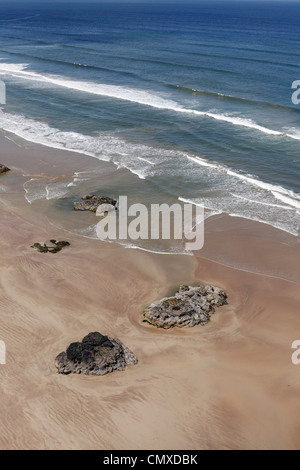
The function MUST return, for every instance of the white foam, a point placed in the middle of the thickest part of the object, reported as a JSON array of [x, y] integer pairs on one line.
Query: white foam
[[145, 160], [265, 203], [136, 172], [190, 201], [253, 181], [34, 190], [214, 196], [56, 190], [136, 247], [286, 199], [238, 121], [199, 204], [201, 161], [112, 91], [272, 215], [293, 133], [79, 177], [262, 184], [129, 94]]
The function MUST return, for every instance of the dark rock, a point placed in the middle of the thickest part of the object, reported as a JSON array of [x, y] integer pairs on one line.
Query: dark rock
[[74, 352], [40, 247], [92, 202], [96, 339], [3, 168], [58, 245], [190, 306], [87, 356], [96, 355]]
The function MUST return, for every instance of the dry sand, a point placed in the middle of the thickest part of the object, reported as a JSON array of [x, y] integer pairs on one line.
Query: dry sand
[[228, 385]]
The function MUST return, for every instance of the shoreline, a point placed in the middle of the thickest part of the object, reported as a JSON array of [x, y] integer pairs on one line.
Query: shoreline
[[32, 159], [81, 161], [230, 384]]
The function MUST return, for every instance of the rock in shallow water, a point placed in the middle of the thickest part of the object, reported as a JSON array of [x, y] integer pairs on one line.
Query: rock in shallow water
[[189, 307], [57, 246], [91, 202], [95, 355], [3, 168]]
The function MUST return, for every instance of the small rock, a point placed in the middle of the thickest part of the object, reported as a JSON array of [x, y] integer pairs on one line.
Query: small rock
[[92, 202], [95, 355], [3, 168], [189, 307], [58, 246]]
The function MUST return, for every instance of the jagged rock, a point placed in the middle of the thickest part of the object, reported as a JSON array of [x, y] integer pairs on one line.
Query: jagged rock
[[3, 168], [92, 202], [190, 306], [58, 245], [95, 355]]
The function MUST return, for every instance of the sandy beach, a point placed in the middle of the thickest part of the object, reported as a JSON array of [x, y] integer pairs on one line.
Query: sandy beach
[[228, 385]]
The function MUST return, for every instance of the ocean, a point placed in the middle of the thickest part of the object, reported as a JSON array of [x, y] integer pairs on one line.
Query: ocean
[[194, 100]]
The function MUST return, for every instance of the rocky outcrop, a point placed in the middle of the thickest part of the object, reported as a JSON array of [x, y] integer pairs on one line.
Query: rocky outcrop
[[190, 306], [95, 355], [91, 202], [57, 246], [3, 168]]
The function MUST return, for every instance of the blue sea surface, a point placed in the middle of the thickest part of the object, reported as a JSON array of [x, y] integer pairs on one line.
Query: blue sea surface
[[193, 99]]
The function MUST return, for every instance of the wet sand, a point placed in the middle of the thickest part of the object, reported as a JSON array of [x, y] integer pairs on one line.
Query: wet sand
[[228, 385]]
